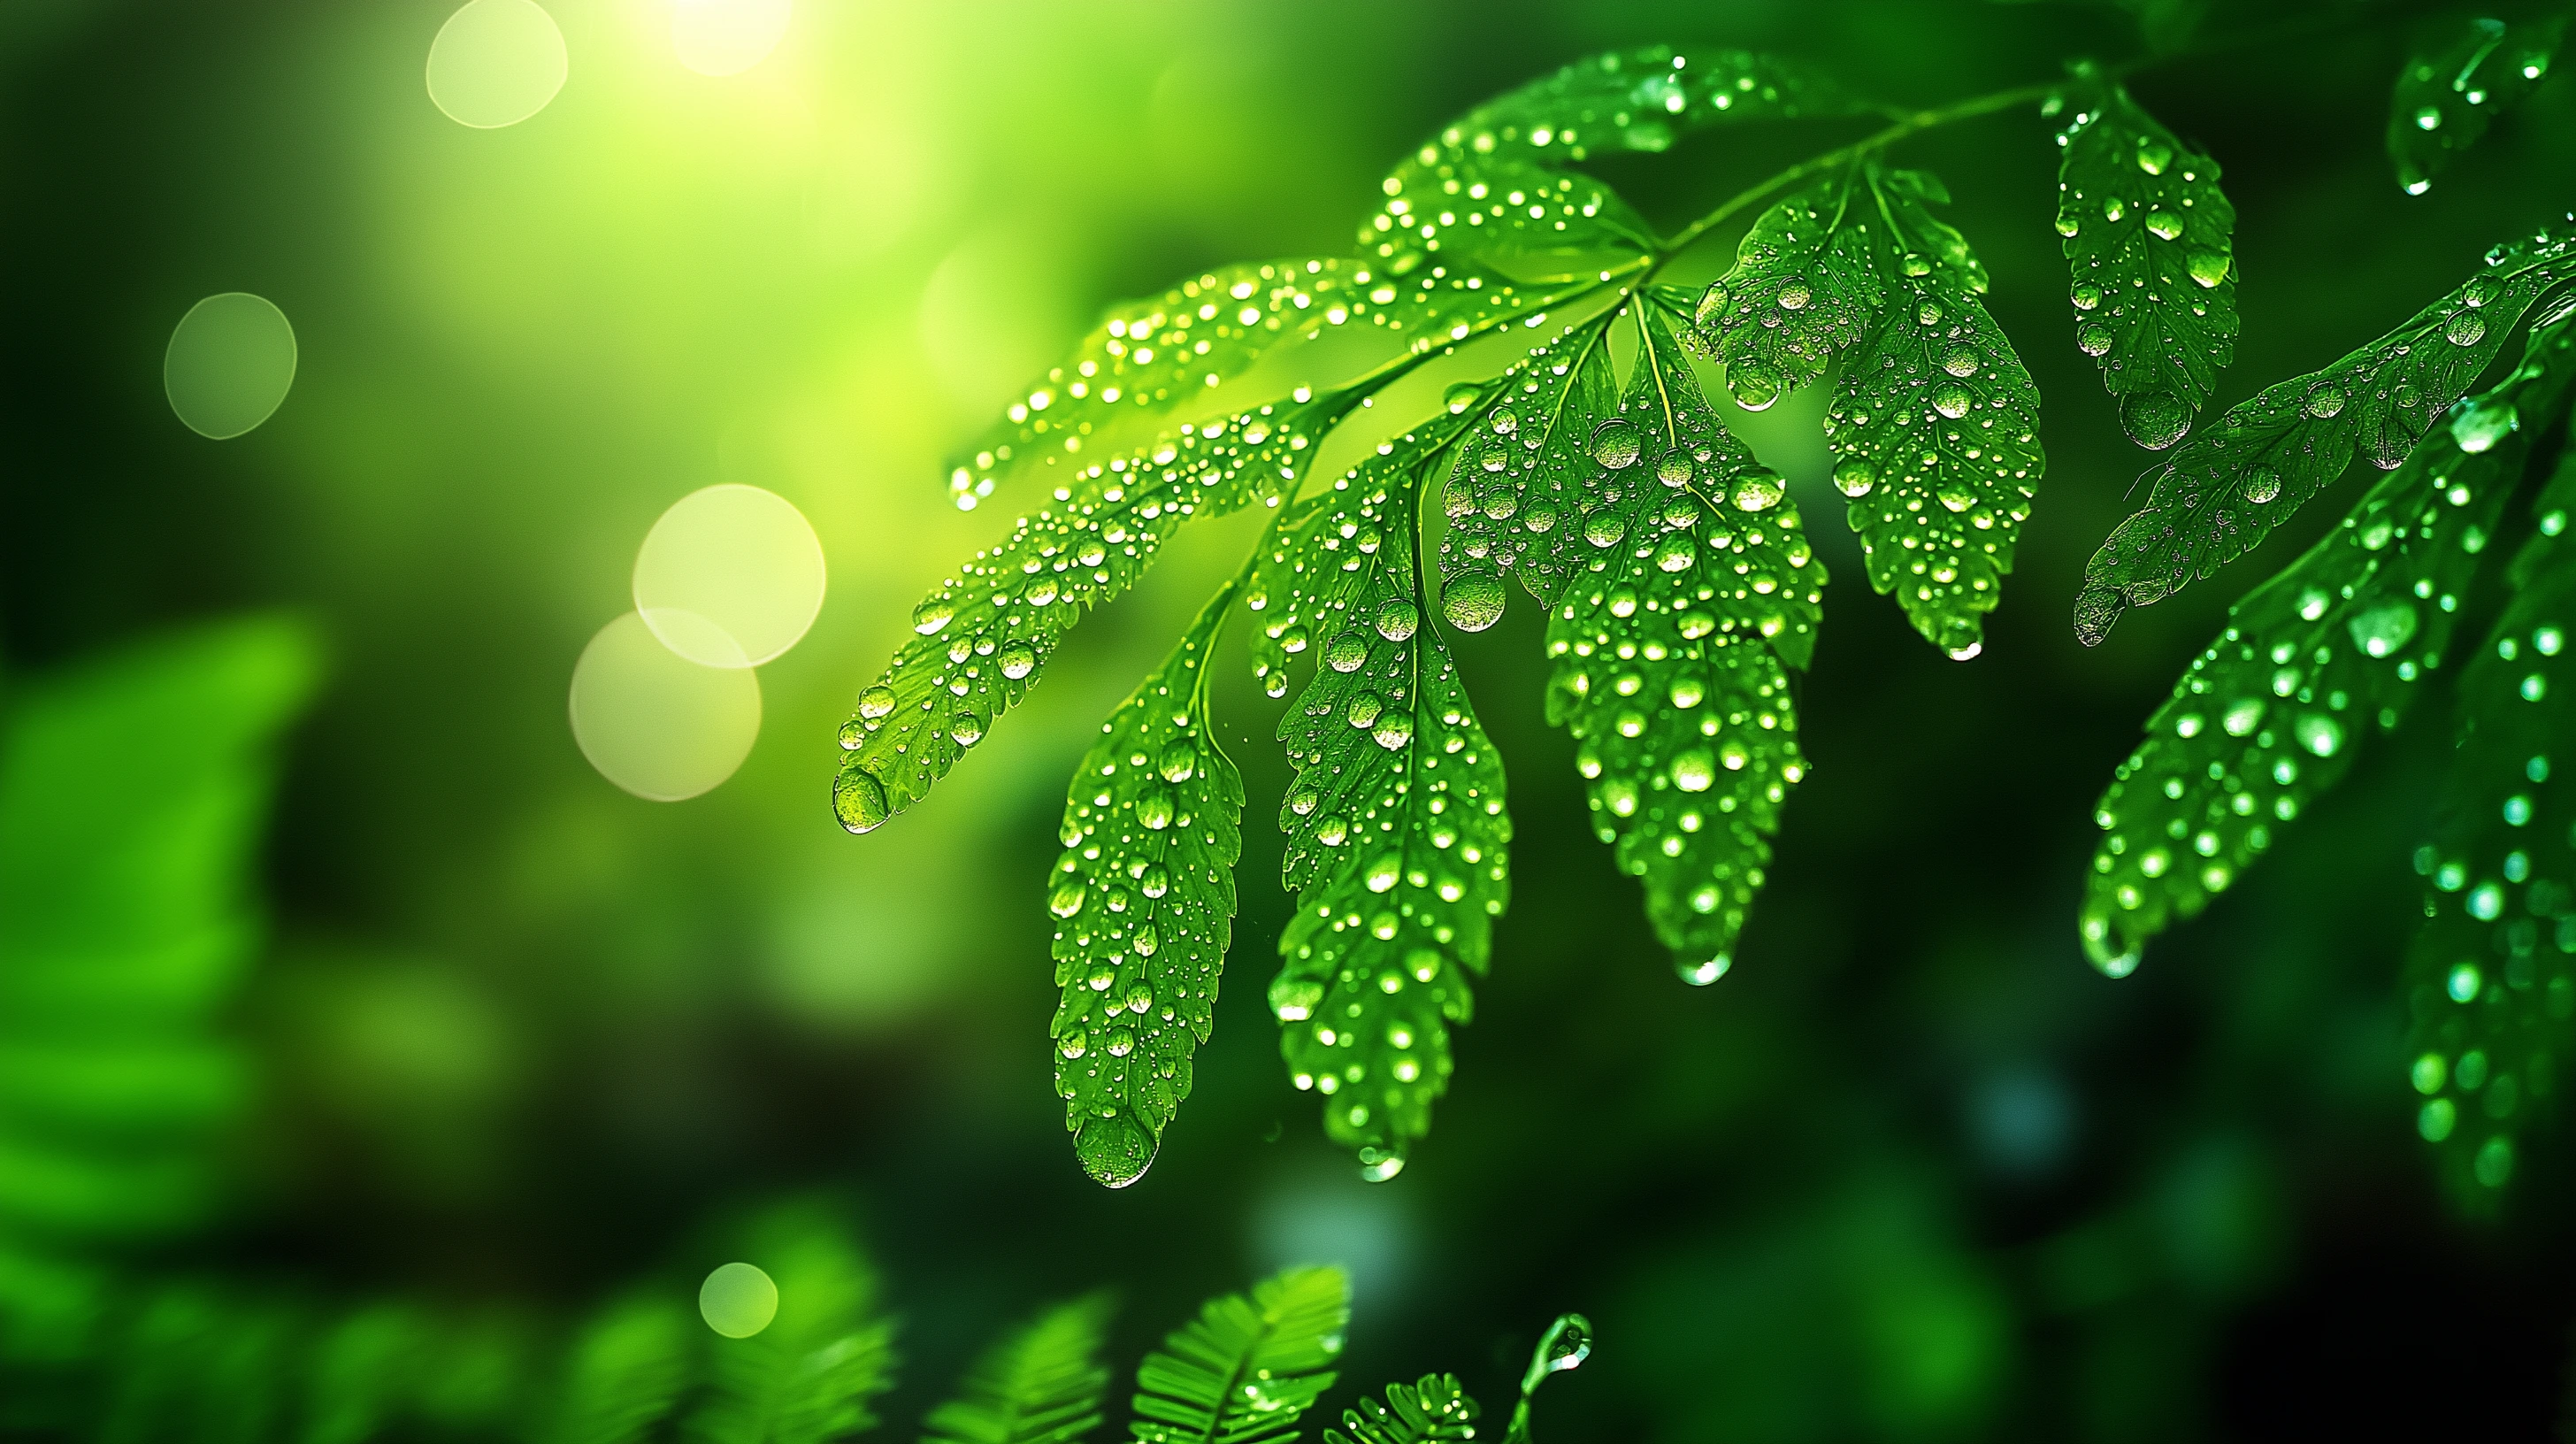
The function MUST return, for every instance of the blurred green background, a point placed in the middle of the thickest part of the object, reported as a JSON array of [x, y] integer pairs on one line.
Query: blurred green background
[[1913, 1171]]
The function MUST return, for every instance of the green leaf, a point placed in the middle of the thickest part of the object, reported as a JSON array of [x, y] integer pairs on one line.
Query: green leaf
[[2272, 714], [1511, 484], [1246, 1368], [1695, 594], [1562, 1349], [1802, 290], [1435, 1409], [2149, 238], [1144, 904], [126, 921], [1934, 424], [626, 1372], [2446, 98], [1042, 1385], [983, 636], [1494, 183], [2225, 489], [1152, 363], [1398, 845], [809, 1376], [2491, 977]]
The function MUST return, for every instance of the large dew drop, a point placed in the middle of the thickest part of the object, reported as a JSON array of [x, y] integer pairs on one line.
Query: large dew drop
[[2154, 419], [2479, 427], [1114, 1150], [1473, 602], [859, 800], [1617, 444]]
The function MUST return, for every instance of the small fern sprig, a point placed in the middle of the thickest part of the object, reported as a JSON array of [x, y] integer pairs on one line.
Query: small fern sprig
[[1681, 590]]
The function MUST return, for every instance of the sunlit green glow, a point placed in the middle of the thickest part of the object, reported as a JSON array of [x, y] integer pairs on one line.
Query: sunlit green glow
[[655, 723], [738, 1300], [727, 37], [230, 362], [496, 62], [731, 576]]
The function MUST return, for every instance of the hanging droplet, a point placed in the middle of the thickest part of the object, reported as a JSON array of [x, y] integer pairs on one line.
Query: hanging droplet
[[859, 800], [2154, 419], [1114, 1150]]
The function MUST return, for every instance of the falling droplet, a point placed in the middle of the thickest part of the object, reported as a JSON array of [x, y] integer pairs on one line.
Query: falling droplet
[[1114, 1150], [2154, 419]]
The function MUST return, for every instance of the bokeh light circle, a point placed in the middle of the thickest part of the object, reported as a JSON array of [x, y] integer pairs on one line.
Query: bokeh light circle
[[731, 576], [654, 722], [496, 62], [727, 37], [738, 1300], [230, 362]]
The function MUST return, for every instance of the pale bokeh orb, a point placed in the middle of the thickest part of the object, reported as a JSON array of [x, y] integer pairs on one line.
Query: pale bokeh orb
[[230, 362], [731, 576], [738, 1300], [727, 37], [654, 722], [496, 62]]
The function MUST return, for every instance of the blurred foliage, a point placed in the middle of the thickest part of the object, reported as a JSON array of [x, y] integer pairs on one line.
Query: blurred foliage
[[513, 1037]]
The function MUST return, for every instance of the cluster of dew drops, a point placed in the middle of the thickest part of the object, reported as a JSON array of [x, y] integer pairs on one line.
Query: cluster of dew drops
[[2155, 418]]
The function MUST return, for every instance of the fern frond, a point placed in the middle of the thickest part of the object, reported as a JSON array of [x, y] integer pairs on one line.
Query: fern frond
[[2274, 712], [2491, 978], [1564, 1347], [626, 1372], [1517, 478], [983, 636], [2149, 238], [1144, 902], [1697, 592], [1802, 290], [125, 922], [1246, 1368], [2446, 98], [1042, 1385], [1432, 1411], [1495, 184], [1934, 424], [809, 1376], [1397, 839], [2223, 491]]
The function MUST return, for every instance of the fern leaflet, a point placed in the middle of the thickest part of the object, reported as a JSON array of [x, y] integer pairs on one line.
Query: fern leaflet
[[1246, 1368], [2274, 712], [1697, 592], [626, 1372], [2446, 98], [1144, 903], [2224, 490], [2149, 236], [1432, 1411], [1042, 1385]]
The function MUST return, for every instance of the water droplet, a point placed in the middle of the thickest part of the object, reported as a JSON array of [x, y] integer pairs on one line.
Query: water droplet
[[2428, 118], [1712, 304], [2113, 210], [1675, 553], [2465, 328], [1795, 296], [1067, 899], [1377, 1164], [1604, 528], [1953, 400], [1394, 729], [2325, 402], [1757, 490], [1460, 396], [2383, 629], [967, 730], [1703, 972], [1504, 420], [2243, 716], [2318, 733], [1017, 660], [2086, 296], [932, 615], [859, 800], [1617, 444], [876, 702], [1474, 601], [1694, 771], [1853, 477], [2164, 225], [1961, 362], [1675, 469], [1917, 264], [2154, 419], [1396, 618], [1179, 762], [2153, 155], [1755, 385], [1114, 1150], [2208, 266], [2478, 427], [2093, 338], [2262, 484], [2463, 983], [1348, 650]]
